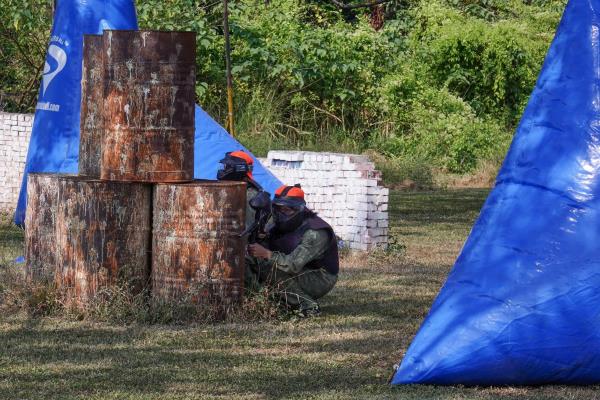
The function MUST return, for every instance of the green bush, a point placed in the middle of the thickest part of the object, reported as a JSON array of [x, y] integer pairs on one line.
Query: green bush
[[324, 73], [492, 66], [24, 32], [435, 125]]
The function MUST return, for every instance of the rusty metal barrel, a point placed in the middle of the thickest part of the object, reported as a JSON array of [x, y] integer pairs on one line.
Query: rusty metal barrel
[[149, 80], [196, 249], [40, 226], [92, 107], [103, 236]]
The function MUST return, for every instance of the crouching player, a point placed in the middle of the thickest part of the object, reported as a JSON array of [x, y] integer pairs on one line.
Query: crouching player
[[299, 257]]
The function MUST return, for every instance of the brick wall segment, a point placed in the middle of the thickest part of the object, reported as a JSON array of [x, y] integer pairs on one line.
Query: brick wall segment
[[344, 189], [15, 130]]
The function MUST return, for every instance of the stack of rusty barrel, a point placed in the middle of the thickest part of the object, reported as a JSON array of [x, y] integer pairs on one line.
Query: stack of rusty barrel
[[134, 214]]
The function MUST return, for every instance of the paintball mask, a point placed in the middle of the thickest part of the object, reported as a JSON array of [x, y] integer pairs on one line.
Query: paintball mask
[[235, 166], [262, 201], [289, 208]]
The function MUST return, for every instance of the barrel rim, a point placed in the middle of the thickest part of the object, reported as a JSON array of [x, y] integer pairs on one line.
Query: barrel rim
[[57, 174], [91, 179], [79, 178], [146, 30], [203, 183], [149, 181]]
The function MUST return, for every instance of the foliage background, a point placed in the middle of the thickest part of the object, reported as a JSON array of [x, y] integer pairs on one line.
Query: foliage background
[[440, 85]]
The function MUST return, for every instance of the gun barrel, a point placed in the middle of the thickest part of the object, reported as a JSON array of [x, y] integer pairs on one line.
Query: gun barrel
[[249, 229]]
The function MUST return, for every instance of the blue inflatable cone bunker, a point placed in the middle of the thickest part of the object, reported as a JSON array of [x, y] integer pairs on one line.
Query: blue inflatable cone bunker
[[54, 142], [522, 304]]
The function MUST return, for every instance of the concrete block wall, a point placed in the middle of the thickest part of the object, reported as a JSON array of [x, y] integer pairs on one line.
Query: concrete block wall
[[15, 130], [344, 189]]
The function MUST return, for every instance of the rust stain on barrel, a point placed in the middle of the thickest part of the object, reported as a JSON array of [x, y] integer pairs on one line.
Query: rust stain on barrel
[[196, 245], [40, 226], [92, 106], [104, 236], [149, 80]]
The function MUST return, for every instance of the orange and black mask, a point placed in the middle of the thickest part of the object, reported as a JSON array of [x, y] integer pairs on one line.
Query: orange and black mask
[[235, 167], [289, 208]]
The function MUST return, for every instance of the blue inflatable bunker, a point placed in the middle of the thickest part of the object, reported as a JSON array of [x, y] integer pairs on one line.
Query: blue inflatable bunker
[[522, 304], [54, 142]]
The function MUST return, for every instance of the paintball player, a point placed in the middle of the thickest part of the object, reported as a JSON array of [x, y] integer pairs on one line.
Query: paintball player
[[299, 256], [238, 166]]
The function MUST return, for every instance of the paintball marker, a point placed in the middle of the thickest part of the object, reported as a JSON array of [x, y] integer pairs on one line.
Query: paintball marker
[[261, 203]]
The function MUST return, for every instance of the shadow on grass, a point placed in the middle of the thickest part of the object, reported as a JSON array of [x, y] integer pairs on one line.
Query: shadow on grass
[[132, 363], [100, 361]]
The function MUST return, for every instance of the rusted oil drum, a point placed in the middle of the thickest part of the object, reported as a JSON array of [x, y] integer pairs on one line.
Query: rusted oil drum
[[40, 226], [149, 80], [196, 249], [92, 107], [104, 235]]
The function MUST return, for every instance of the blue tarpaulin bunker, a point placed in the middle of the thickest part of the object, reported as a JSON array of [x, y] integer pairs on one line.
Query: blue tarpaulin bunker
[[54, 141], [521, 306]]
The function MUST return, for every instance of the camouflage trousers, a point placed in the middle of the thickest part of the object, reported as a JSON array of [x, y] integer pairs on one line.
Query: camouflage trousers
[[299, 290]]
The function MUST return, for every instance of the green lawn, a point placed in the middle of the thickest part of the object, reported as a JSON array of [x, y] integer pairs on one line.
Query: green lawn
[[367, 324]]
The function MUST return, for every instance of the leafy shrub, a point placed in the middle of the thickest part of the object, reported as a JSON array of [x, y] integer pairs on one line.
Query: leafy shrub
[[433, 124], [492, 66], [24, 32], [323, 73]]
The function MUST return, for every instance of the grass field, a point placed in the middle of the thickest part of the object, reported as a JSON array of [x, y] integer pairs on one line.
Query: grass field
[[368, 322]]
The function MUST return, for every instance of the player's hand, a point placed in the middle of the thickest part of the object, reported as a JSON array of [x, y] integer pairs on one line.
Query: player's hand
[[256, 250]]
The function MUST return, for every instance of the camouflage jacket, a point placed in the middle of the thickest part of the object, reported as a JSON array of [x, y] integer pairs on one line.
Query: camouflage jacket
[[313, 246]]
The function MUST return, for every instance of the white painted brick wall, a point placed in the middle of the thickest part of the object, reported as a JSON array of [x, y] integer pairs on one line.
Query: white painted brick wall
[[15, 130], [344, 189]]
